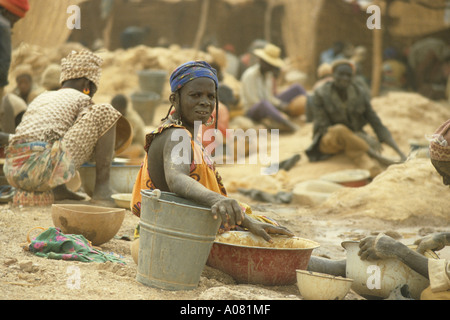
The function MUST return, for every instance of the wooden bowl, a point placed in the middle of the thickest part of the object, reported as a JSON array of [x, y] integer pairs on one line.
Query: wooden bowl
[[96, 224]]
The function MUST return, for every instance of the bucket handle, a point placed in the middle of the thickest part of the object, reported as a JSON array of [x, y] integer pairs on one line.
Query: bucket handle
[[154, 194]]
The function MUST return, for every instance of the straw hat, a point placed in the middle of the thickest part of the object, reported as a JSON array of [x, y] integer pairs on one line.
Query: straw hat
[[270, 54]]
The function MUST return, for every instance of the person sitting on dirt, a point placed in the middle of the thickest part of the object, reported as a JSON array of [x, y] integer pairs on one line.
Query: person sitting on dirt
[[59, 132], [120, 103], [133, 152], [341, 110], [50, 77], [26, 90], [429, 60], [194, 97], [335, 52], [258, 97], [394, 72], [384, 247]]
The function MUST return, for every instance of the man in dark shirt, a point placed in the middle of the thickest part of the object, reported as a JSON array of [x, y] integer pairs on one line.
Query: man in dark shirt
[[342, 109]]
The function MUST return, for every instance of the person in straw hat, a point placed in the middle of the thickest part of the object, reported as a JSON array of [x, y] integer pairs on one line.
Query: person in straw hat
[[258, 94], [59, 132], [341, 111]]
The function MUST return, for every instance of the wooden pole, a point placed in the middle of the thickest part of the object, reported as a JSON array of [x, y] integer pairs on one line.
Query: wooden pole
[[377, 57], [107, 30], [201, 25], [268, 21]]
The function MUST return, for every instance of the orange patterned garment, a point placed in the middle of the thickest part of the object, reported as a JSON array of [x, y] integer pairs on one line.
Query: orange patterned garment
[[204, 172]]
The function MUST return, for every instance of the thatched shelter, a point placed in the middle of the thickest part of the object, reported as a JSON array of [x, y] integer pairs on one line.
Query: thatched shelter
[[302, 28], [309, 27], [414, 19], [45, 24], [236, 22]]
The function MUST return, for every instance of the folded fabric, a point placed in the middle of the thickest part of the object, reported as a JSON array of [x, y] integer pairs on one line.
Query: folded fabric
[[53, 244]]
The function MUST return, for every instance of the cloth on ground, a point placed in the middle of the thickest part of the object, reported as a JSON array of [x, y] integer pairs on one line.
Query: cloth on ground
[[53, 244]]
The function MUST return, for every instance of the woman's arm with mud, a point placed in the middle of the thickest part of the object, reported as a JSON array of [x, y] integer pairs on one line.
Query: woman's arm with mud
[[178, 180]]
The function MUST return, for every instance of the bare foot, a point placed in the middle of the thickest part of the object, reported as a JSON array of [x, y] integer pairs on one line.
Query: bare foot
[[62, 193], [102, 195], [102, 192]]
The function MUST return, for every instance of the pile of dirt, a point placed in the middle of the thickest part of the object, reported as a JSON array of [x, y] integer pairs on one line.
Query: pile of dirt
[[410, 191]]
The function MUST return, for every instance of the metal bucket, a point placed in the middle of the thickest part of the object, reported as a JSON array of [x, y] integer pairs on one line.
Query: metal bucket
[[145, 104], [176, 236], [152, 80]]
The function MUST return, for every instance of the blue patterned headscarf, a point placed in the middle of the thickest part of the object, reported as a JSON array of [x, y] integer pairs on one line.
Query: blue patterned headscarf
[[192, 70]]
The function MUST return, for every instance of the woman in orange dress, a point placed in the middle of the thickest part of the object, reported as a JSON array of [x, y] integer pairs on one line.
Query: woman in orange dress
[[193, 175]]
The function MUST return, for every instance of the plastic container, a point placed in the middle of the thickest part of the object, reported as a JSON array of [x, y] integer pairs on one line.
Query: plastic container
[[176, 236], [349, 178], [122, 200], [320, 286], [152, 80], [122, 177], [314, 192], [145, 103]]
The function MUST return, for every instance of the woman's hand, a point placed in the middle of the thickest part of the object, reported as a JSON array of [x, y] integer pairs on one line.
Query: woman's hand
[[230, 212], [263, 229]]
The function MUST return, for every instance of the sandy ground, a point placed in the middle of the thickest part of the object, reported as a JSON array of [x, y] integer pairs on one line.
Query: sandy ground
[[407, 201]]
